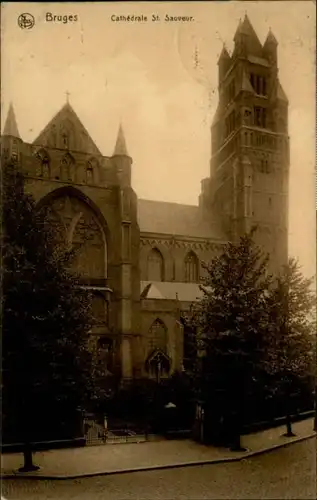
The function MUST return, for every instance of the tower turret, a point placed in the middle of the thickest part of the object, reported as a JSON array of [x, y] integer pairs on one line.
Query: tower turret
[[11, 140], [122, 159], [224, 62], [270, 48]]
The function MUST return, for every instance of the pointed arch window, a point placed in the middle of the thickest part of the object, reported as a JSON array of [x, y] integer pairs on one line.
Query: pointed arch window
[[44, 163], [191, 268], [66, 167], [91, 169], [65, 140], [157, 337], [155, 266]]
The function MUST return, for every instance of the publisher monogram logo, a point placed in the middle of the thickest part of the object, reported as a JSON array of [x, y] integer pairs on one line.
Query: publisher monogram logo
[[26, 21]]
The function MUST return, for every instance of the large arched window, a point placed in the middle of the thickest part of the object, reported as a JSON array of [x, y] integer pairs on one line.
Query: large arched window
[[77, 223], [191, 268], [155, 266], [157, 336]]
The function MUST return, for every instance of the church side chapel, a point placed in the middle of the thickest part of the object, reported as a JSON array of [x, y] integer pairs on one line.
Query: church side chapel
[[142, 258]]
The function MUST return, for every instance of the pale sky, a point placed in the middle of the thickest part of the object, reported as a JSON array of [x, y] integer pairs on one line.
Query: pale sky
[[144, 75]]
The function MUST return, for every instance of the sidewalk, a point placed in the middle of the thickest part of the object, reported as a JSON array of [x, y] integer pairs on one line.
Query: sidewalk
[[114, 459]]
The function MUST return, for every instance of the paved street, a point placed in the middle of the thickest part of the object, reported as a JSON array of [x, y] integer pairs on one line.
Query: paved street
[[92, 460], [288, 473]]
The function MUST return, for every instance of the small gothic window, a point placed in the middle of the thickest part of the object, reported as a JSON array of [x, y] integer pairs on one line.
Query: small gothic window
[[258, 84], [252, 80], [46, 169], [155, 263], [260, 117], [43, 163], [66, 165], [191, 268], [89, 174], [65, 140]]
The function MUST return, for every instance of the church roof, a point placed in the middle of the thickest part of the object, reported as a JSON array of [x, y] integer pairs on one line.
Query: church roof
[[67, 124], [171, 290], [258, 60], [120, 147], [10, 126], [175, 219]]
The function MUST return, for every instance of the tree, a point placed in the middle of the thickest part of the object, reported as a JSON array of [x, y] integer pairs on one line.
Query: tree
[[291, 334], [48, 368], [230, 320]]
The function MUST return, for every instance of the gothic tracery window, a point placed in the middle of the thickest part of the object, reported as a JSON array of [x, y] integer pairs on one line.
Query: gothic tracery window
[[155, 263], [77, 223], [191, 268], [89, 245]]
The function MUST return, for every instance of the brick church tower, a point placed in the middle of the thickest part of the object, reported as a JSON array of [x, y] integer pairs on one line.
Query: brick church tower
[[249, 168]]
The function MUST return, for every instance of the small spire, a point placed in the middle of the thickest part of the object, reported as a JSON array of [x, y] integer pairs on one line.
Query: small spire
[[238, 30], [67, 96], [10, 126], [120, 147], [270, 39], [246, 29], [224, 53]]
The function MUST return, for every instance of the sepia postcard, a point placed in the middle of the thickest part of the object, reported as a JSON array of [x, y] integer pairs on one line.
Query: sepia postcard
[[157, 137]]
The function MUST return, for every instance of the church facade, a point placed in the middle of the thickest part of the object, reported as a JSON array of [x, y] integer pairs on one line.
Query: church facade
[[141, 259]]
